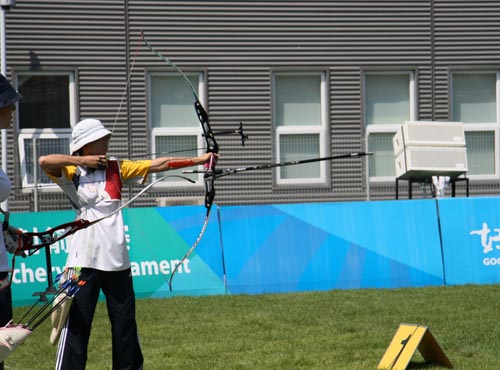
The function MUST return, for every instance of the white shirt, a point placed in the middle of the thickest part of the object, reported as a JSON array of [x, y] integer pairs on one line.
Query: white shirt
[[96, 194]]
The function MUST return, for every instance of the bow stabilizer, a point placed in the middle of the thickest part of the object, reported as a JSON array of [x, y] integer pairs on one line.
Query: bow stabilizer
[[231, 171]]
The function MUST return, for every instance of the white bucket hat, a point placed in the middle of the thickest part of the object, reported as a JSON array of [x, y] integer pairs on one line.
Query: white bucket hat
[[85, 132]]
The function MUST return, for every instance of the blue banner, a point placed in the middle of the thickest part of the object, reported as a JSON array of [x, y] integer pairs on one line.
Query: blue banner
[[301, 247], [471, 240], [292, 247]]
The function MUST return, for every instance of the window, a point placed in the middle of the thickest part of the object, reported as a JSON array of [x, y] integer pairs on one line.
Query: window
[[175, 127], [389, 101], [45, 116], [300, 119], [474, 101]]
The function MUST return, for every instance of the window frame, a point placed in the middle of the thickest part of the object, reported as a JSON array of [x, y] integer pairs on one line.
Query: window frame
[[37, 134], [321, 130], [388, 127], [43, 133], [478, 126], [176, 131]]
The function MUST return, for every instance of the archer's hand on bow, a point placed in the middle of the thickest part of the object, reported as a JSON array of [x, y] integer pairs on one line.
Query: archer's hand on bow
[[207, 157]]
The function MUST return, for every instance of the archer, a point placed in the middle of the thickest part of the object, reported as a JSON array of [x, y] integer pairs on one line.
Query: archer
[[93, 183]]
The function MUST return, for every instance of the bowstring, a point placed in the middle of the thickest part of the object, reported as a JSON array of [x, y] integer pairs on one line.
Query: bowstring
[[125, 91], [127, 83]]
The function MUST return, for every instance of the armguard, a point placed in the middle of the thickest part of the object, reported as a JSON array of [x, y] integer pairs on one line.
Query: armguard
[[180, 163]]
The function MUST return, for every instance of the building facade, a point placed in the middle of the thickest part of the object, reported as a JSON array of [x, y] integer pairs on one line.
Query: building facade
[[305, 78]]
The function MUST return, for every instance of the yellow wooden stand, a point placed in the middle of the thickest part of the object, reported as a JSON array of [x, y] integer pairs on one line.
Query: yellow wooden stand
[[407, 339]]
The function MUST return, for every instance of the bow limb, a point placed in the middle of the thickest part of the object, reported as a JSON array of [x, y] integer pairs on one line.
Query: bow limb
[[191, 249]]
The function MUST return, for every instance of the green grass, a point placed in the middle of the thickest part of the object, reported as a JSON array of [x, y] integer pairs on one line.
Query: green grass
[[345, 330]]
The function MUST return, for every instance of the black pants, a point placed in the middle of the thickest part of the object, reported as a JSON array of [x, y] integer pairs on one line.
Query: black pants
[[5, 305], [120, 301]]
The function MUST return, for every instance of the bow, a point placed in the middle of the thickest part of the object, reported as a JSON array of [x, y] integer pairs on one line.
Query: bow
[[210, 172], [211, 147]]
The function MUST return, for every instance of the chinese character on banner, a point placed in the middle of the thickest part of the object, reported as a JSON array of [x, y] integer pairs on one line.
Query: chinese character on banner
[[487, 240]]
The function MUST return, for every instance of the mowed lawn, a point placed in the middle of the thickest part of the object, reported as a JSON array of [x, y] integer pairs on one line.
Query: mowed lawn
[[340, 329]]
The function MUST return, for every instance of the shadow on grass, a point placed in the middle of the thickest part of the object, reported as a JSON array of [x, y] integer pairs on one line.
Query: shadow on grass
[[414, 365]]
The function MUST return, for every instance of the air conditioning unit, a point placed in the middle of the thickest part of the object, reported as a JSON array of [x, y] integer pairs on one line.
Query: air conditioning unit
[[428, 134], [431, 161]]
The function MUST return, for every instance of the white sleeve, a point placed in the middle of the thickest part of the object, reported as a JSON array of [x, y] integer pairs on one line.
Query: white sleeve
[[5, 186]]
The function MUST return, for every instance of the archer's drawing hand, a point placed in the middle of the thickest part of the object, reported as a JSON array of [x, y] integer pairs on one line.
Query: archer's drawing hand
[[95, 161]]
